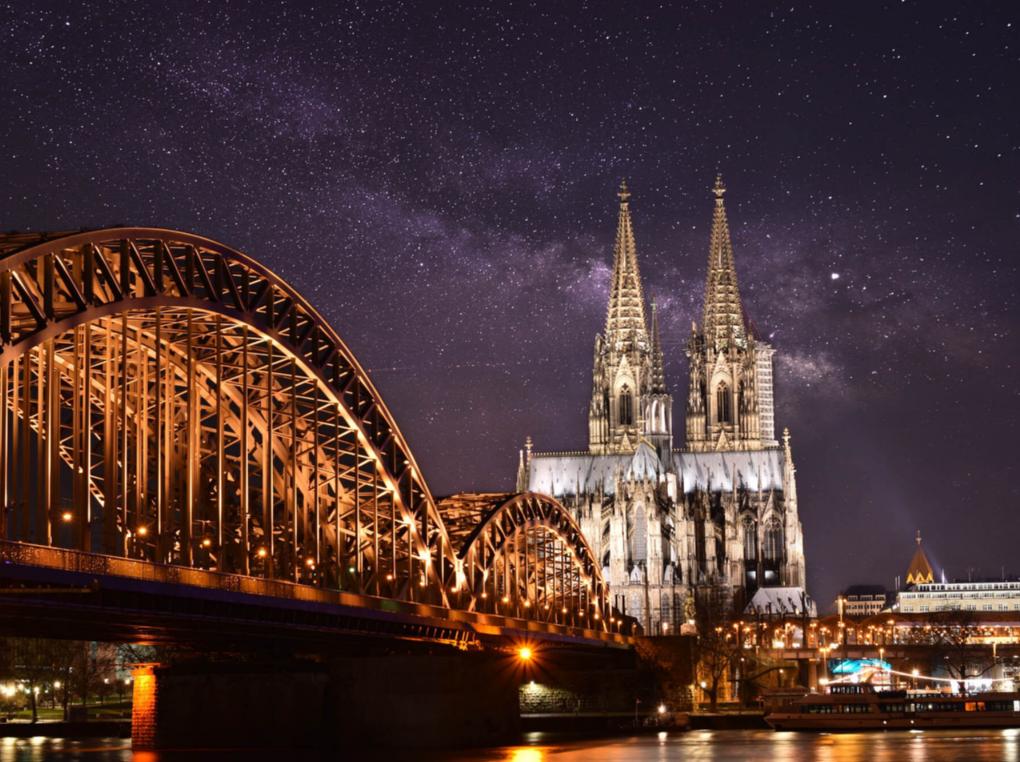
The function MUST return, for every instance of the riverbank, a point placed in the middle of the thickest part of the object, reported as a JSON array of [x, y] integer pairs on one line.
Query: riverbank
[[61, 729], [626, 721]]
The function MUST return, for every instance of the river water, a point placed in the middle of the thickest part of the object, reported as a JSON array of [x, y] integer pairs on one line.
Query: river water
[[703, 746]]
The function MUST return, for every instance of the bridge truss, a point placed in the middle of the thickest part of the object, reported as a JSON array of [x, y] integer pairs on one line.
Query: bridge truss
[[168, 399]]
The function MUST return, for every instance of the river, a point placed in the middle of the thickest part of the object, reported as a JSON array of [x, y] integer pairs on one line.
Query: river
[[703, 746]]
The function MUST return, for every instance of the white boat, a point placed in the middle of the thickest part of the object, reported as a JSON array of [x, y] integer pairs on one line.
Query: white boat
[[861, 707]]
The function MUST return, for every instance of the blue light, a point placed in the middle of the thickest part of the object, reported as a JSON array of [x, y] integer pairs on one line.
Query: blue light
[[856, 666]]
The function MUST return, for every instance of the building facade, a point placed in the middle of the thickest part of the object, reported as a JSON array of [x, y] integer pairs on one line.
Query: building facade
[[986, 596], [719, 512], [924, 595], [860, 601]]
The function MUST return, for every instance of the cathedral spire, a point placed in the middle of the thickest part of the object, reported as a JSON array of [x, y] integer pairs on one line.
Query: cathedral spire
[[723, 318], [658, 364], [626, 315]]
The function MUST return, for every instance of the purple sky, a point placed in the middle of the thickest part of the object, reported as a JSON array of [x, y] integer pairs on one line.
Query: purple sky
[[440, 184]]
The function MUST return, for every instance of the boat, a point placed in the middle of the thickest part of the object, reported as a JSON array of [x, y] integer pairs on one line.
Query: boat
[[861, 707]]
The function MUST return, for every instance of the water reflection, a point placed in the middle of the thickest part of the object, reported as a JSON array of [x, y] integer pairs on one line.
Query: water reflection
[[731, 746]]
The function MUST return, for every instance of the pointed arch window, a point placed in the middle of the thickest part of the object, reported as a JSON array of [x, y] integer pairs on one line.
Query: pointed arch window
[[750, 541], [722, 404], [626, 406], [773, 540]]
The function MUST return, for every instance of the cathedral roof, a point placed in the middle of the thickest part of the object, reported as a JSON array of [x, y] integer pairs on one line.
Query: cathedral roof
[[781, 600], [728, 469], [919, 572], [723, 317], [560, 474], [626, 314]]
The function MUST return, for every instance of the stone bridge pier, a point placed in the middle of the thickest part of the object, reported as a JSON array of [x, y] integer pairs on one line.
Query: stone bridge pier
[[419, 700]]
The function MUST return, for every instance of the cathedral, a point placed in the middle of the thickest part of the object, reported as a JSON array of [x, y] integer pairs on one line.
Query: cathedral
[[718, 513]]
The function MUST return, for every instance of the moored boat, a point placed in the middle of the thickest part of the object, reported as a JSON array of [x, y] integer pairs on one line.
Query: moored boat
[[860, 707]]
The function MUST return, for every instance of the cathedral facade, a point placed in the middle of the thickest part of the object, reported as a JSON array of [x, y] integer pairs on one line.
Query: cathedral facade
[[719, 512]]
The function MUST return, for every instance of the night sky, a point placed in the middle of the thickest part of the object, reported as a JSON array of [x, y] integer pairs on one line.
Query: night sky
[[440, 182]]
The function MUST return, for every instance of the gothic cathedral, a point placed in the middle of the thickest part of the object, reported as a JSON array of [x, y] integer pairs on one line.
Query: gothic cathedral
[[720, 512]]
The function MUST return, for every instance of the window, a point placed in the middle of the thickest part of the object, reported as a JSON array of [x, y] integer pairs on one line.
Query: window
[[722, 404], [626, 407], [750, 541], [773, 541]]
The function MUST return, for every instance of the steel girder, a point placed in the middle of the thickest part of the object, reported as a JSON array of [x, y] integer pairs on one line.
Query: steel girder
[[169, 399], [524, 555]]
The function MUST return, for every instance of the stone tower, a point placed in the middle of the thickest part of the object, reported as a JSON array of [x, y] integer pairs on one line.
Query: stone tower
[[629, 401], [729, 398]]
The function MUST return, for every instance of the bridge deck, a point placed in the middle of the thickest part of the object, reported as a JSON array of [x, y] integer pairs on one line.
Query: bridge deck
[[70, 593]]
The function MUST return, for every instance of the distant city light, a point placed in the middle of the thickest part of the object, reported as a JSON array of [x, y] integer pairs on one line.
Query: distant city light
[[524, 653]]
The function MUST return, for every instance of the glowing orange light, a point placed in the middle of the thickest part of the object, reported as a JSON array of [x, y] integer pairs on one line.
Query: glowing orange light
[[524, 653], [142, 531], [206, 543], [310, 562], [66, 516], [261, 552]]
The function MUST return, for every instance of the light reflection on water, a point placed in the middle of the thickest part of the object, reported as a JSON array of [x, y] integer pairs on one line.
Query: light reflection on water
[[703, 746]]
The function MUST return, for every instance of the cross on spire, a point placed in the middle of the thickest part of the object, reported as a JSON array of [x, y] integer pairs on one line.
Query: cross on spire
[[623, 193]]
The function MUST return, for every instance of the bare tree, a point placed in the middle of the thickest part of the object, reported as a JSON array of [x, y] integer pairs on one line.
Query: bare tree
[[718, 649], [949, 634]]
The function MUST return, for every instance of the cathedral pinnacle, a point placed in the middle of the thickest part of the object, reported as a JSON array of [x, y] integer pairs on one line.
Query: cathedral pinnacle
[[719, 189], [626, 316], [658, 363], [624, 194]]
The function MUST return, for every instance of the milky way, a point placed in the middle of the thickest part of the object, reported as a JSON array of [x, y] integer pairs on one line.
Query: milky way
[[439, 181]]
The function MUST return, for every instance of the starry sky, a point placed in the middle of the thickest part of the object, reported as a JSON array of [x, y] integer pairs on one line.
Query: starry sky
[[439, 180]]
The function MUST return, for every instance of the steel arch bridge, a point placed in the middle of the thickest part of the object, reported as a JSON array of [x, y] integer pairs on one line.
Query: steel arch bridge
[[171, 402]]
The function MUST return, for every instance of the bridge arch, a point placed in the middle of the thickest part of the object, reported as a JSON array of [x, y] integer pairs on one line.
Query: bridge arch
[[166, 398], [524, 554], [205, 415]]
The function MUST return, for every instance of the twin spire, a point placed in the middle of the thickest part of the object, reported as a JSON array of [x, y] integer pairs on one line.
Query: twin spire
[[723, 318]]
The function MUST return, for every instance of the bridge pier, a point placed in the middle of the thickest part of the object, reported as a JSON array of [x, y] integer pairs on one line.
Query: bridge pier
[[413, 700], [233, 705], [424, 700]]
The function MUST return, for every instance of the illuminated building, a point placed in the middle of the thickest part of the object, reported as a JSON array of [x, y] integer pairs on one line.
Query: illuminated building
[[924, 595], [1003, 595], [859, 601], [719, 513], [919, 572]]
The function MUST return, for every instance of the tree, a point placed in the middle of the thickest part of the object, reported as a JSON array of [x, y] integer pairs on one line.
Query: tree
[[949, 634], [718, 647]]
